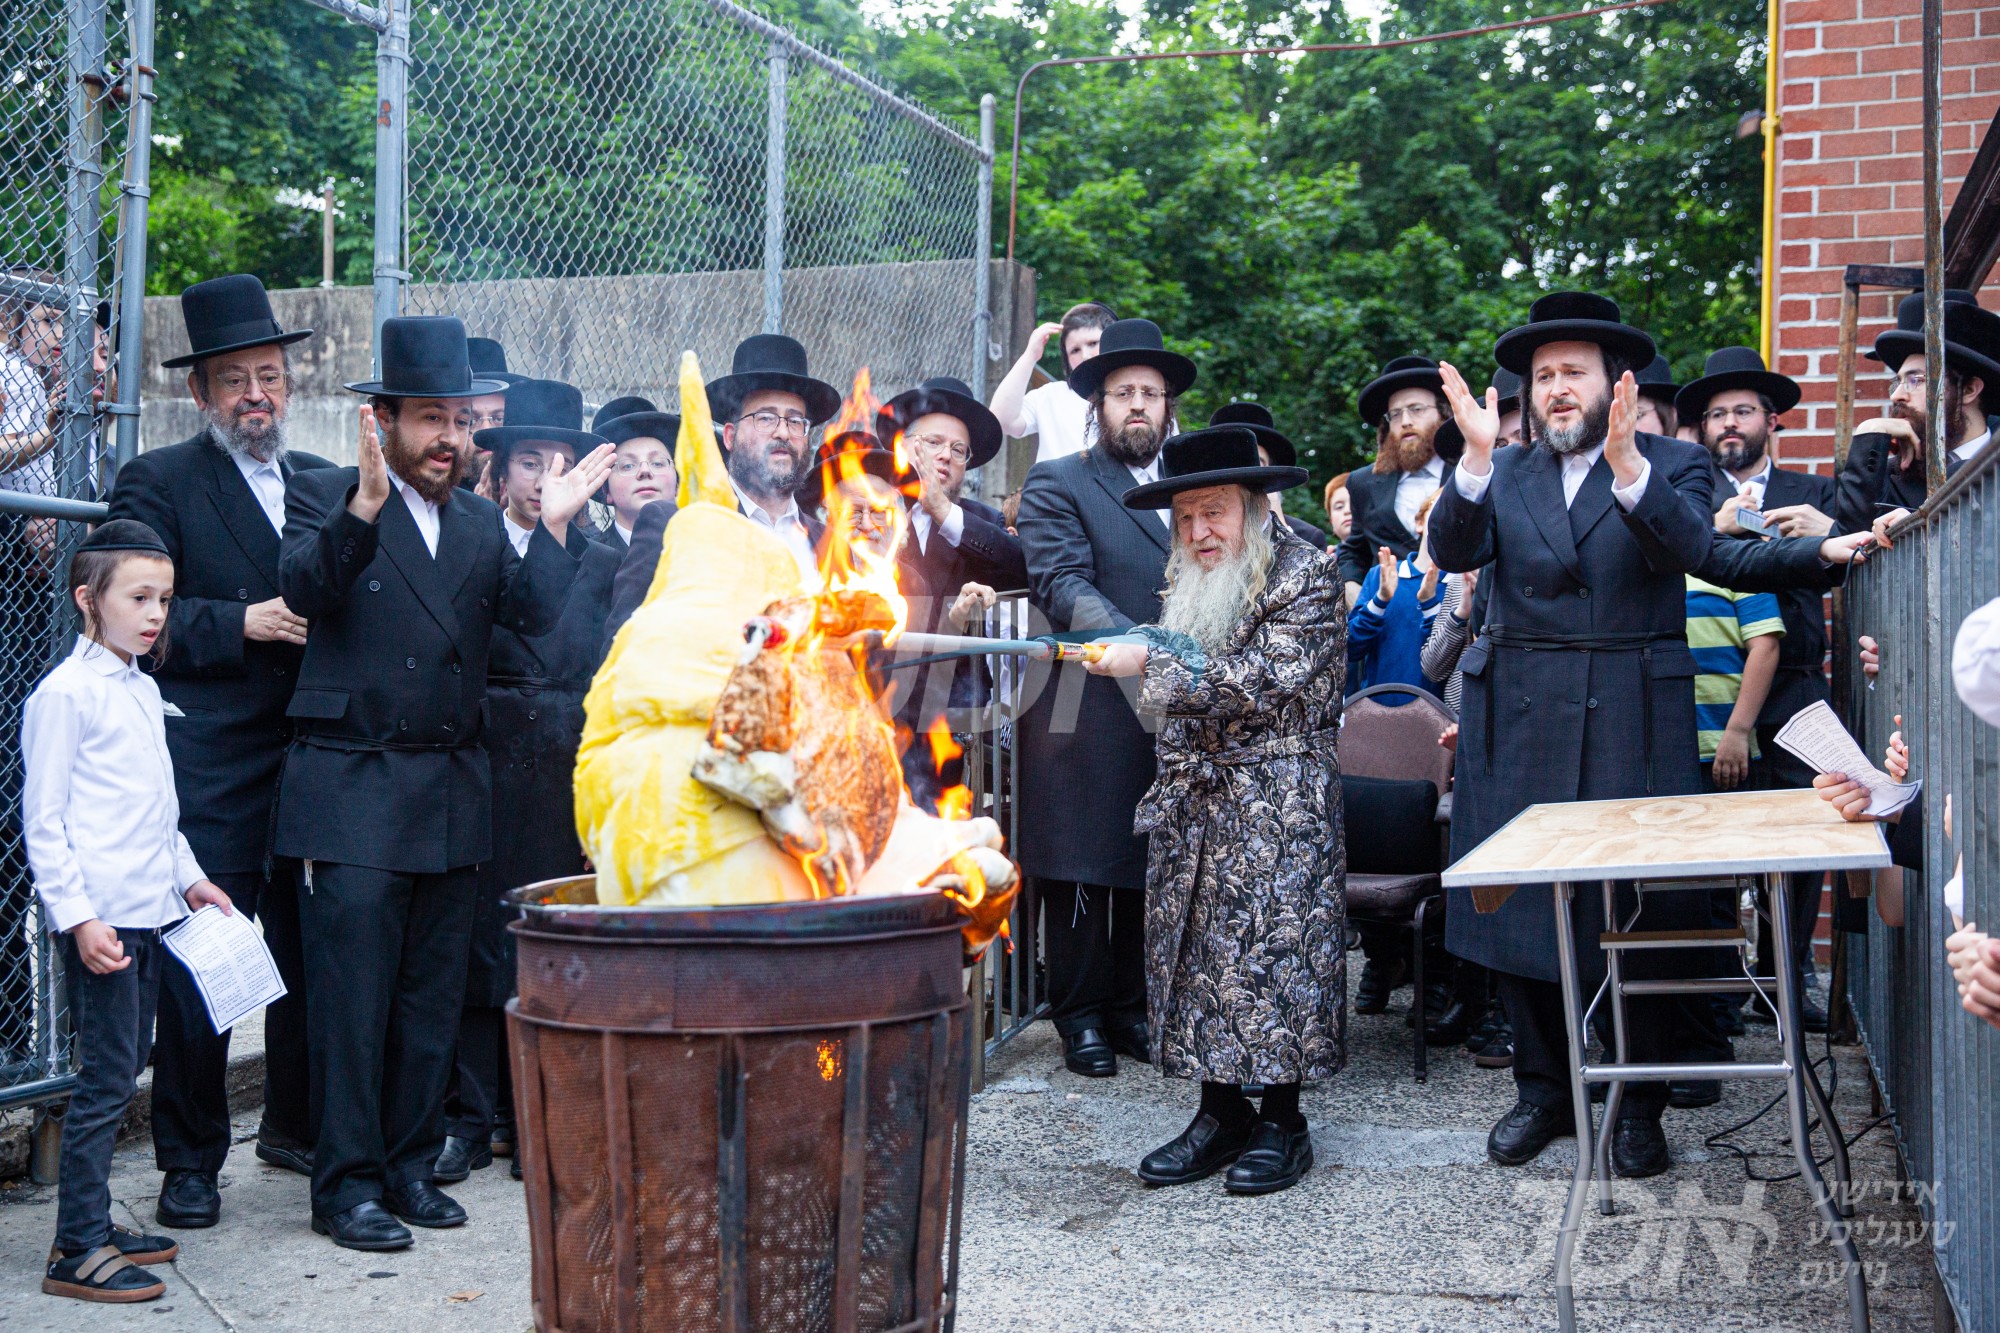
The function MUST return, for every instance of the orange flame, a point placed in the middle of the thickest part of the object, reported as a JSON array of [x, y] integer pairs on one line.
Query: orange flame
[[953, 802], [829, 1059]]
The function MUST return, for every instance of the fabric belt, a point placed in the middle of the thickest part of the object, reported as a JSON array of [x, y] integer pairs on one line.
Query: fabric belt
[[538, 683], [1206, 765], [1640, 641], [369, 745]]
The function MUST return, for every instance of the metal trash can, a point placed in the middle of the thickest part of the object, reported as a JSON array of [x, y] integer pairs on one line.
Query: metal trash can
[[741, 1118]]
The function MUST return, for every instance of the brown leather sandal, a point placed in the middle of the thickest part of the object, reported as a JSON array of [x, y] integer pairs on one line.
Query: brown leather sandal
[[102, 1275]]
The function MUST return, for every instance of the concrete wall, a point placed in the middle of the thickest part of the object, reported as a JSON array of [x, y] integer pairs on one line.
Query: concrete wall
[[612, 336]]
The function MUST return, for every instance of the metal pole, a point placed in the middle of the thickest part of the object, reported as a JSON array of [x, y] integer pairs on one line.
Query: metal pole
[[83, 226], [326, 235], [1767, 297], [138, 191], [982, 273], [1934, 247], [774, 195], [392, 126]]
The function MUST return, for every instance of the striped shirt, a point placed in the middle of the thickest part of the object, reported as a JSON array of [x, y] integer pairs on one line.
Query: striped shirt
[[1720, 624]]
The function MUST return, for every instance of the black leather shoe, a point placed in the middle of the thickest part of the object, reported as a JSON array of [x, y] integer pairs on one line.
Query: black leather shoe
[[1489, 1024], [1638, 1148], [365, 1226], [1089, 1054], [1199, 1151], [1274, 1160], [502, 1139], [189, 1199], [514, 1167], [1134, 1043], [1498, 1052], [423, 1204], [1693, 1093], [1450, 1027], [1812, 1014], [460, 1158], [1378, 981], [1523, 1132], [1438, 997], [294, 1157]]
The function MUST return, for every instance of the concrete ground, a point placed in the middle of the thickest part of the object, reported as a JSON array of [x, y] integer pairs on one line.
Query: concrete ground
[[1400, 1226]]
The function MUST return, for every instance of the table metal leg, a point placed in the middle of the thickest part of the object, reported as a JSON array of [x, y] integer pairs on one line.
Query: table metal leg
[[1615, 1097], [1796, 1084], [1579, 1190]]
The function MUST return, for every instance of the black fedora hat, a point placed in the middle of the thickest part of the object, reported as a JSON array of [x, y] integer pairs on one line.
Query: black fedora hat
[[489, 360], [539, 410], [1131, 342], [855, 448], [424, 356], [1449, 442], [1656, 381], [1735, 368], [1212, 456], [941, 394], [1263, 425], [1402, 372], [1572, 317], [771, 361], [633, 417], [1910, 314], [228, 315], [1971, 346]]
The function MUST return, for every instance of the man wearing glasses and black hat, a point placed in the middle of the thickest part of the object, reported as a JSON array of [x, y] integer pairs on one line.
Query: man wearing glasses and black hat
[[768, 405], [387, 789], [1086, 758], [1406, 406], [218, 502]]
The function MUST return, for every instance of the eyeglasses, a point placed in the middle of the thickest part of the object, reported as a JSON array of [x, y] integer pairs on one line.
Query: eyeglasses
[[489, 420], [1133, 393], [235, 381], [1913, 380], [1716, 416], [1417, 413], [531, 464], [771, 422], [625, 467], [938, 444]]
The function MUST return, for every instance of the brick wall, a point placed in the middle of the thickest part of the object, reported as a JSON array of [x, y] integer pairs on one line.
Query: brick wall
[[1850, 178]]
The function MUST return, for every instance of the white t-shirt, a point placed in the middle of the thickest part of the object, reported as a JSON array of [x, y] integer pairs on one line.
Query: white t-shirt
[[1059, 420], [26, 413]]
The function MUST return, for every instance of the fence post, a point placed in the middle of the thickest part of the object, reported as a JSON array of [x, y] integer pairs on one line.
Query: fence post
[[84, 225], [982, 248], [138, 192], [774, 196], [392, 132]]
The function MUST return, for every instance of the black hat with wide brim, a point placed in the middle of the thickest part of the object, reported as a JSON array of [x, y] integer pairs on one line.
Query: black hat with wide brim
[[1971, 347], [1910, 314], [632, 418], [1132, 342], [857, 448], [944, 396], [1656, 381], [229, 314], [1212, 456], [489, 360], [1449, 442], [539, 410], [773, 362], [1572, 317], [1263, 425], [424, 356], [1402, 372], [1731, 368]]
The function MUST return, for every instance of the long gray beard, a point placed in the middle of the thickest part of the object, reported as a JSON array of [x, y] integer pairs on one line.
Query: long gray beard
[[266, 446], [1208, 604], [1596, 424]]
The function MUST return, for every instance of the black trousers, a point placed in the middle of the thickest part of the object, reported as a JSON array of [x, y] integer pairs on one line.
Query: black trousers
[[1779, 769], [385, 978], [112, 1017], [1095, 938], [482, 1090], [191, 1060]]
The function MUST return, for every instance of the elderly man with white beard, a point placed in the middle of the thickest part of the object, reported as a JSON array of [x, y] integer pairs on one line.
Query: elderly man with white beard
[[218, 502], [1246, 871]]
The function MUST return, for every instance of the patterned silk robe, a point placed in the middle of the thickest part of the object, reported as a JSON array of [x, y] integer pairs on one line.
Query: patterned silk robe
[[1246, 910]]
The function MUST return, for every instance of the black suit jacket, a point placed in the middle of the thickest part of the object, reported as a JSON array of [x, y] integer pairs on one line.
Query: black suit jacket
[[387, 769], [1371, 496], [986, 553], [1871, 484], [1306, 532], [1801, 678], [229, 740], [642, 558], [1086, 755]]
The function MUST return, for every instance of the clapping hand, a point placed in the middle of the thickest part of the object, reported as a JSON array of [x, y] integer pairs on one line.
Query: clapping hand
[[372, 491], [1621, 443], [565, 491], [1478, 421]]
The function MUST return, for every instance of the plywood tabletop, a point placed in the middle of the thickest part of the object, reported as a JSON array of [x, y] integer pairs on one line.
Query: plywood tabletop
[[1672, 837]]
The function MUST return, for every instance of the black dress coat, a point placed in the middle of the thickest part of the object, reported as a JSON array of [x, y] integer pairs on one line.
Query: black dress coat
[[986, 553], [1086, 756], [534, 703], [229, 742], [641, 560], [1871, 484], [387, 769], [1371, 499], [1306, 532], [1801, 678]]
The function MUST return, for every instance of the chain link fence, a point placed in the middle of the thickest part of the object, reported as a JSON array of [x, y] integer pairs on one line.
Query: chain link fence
[[66, 85], [600, 184]]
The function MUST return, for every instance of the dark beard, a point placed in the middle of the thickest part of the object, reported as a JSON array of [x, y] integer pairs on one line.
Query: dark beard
[[760, 480], [1742, 453], [266, 446], [1136, 444], [407, 460], [1954, 432], [1595, 425]]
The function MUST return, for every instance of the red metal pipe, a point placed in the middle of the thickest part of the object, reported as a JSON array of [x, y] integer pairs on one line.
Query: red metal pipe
[[1014, 171]]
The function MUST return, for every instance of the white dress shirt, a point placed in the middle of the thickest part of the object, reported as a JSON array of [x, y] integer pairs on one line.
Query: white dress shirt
[[624, 533], [1144, 476], [1059, 420], [1575, 467], [1412, 487], [1757, 485], [422, 510], [26, 412], [1975, 662], [790, 527], [516, 534], [952, 529], [1965, 451], [267, 483], [101, 820]]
